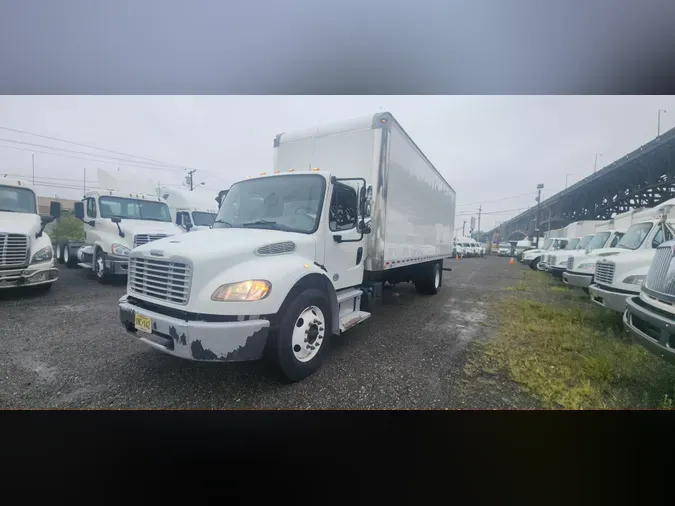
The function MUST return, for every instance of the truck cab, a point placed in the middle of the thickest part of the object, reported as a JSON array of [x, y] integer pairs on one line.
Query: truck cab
[[558, 261], [190, 210], [645, 233], [650, 315], [619, 277], [26, 253], [115, 222]]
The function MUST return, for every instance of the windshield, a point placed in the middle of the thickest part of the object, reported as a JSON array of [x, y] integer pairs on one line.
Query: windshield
[[504, 245], [17, 200], [291, 203], [572, 244], [201, 219], [598, 240], [134, 209], [547, 243], [584, 242], [635, 236]]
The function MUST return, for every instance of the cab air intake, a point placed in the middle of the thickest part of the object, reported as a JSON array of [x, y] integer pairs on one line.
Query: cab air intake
[[276, 248]]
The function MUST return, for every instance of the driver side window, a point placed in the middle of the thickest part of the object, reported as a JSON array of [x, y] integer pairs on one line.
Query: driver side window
[[616, 240], [658, 238], [343, 208], [91, 207]]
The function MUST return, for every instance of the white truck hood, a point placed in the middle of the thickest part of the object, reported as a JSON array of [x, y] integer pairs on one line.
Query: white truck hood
[[594, 255], [225, 245], [635, 263], [19, 223], [133, 227]]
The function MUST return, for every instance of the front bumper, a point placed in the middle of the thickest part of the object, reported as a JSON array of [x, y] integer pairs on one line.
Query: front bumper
[[576, 279], [117, 264], [28, 276], [653, 331], [233, 341], [609, 299], [557, 272]]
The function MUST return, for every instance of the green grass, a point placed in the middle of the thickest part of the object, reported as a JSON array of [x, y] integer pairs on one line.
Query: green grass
[[567, 353]]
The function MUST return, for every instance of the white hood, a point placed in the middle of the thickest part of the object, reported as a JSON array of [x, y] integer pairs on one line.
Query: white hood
[[133, 227], [19, 223], [224, 243]]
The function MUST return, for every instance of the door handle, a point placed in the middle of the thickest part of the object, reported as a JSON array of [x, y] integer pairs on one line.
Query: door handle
[[359, 255]]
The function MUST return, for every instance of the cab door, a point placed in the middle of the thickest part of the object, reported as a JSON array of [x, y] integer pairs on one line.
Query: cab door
[[345, 244]]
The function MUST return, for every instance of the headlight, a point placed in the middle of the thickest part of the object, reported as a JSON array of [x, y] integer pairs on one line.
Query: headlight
[[120, 250], [251, 290], [585, 266], [43, 255], [634, 280]]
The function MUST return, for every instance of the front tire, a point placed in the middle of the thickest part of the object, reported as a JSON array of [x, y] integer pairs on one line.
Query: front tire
[[534, 264], [298, 345], [100, 270], [431, 283]]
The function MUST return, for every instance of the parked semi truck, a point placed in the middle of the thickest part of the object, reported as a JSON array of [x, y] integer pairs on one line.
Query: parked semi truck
[[641, 235], [26, 254], [299, 254], [650, 315], [619, 277], [190, 210]]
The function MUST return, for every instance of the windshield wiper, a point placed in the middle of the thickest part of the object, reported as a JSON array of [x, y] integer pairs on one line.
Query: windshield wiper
[[9, 211], [156, 219], [272, 224], [223, 222]]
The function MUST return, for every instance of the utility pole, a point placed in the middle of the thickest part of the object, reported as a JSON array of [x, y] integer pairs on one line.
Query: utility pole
[[480, 208], [566, 177], [463, 225], [84, 183], [658, 124], [33, 157], [595, 165], [189, 178], [539, 188]]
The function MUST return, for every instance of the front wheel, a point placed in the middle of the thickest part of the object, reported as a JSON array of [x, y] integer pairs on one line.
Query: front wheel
[[100, 270], [298, 345], [534, 264]]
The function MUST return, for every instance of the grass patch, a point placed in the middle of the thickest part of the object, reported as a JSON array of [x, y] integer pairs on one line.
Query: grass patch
[[570, 354]]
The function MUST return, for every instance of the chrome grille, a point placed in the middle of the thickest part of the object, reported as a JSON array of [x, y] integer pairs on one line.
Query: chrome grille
[[160, 279], [657, 277], [276, 248], [146, 238], [604, 272], [570, 263], [552, 260], [13, 250]]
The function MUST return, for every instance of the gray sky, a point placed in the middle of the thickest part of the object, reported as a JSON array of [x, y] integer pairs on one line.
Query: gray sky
[[487, 147]]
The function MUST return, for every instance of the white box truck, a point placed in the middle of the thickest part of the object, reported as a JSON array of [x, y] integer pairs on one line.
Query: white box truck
[[297, 255], [639, 236], [650, 315], [619, 277], [26, 253], [190, 210], [115, 222]]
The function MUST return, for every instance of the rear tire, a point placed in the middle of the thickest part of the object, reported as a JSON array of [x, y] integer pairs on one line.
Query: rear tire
[[58, 252], [297, 347], [432, 281], [68, 259]]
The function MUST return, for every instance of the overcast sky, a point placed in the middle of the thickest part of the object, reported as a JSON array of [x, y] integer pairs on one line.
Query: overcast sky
[[488, 148]]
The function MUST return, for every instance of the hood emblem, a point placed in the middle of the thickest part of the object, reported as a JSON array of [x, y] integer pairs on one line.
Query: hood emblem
[[156, 253]]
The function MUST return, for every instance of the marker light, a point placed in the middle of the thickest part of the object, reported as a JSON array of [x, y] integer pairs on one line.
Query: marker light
[[277, 171], [291, 170], [315, 169], [262, 173]]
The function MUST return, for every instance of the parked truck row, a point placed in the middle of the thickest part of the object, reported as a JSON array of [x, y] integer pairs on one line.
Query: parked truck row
[[626, 267]]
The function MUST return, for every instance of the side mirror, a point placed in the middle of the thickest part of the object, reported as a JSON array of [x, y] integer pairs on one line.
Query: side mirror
[[79, 210], [362, 201], [116, 219], [55, 209], [47, 219]]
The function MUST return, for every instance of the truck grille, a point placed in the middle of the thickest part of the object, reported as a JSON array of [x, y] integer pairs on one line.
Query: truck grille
[[604, 272], [657, 277], [13, 250], [570, 263], [160, 279], [146, 238], [552, 260]]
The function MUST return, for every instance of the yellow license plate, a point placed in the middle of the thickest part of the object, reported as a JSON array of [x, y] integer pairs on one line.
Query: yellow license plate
[[143, 323]]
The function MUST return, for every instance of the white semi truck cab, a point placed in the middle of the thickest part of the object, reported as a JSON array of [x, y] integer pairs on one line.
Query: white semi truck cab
[[557, 262], [26, 254], [190, 210], [115, 222], [298, 255], [646, 233]]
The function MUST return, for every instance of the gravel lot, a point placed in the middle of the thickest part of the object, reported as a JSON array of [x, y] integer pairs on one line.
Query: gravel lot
[[67, 349]]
